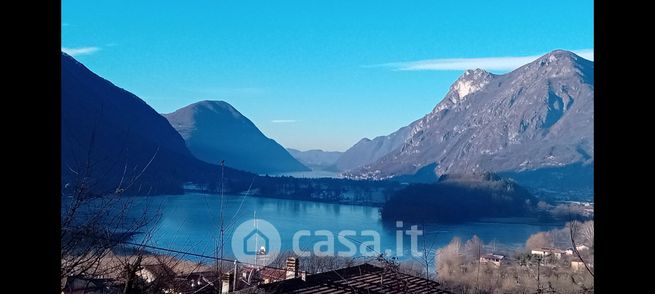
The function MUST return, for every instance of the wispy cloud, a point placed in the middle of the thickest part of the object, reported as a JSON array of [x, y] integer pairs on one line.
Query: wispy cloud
[[227, 91], [488, 63], [284, 121], [80, 50]]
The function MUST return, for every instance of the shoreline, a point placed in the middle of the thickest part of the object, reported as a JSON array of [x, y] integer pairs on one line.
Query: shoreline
[[488, 220], [192, 191]]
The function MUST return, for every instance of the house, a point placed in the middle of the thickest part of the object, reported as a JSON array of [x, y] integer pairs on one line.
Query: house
[[581, 247], [196, 282], [265, 275], [547, 251], [364, 278], [271, 275], [494, 259], [84, 285], [541, 252], [578, 265], [152, 272]]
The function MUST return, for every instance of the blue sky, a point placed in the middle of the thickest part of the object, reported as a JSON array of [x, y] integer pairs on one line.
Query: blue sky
[[314, 73]]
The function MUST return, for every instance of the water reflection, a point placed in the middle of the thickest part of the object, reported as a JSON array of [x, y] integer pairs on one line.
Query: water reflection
[[191, 222]]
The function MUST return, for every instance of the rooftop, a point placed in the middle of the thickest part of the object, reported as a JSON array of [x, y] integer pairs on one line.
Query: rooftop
[[365, 278], [493, 256], [547, 249]]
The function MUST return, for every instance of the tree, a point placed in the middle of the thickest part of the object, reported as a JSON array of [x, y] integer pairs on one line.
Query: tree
[[92, 226], [472, 248], [585, 232], [539, 240], [449, 258], [428, 256], [573, 229], [94, 218]]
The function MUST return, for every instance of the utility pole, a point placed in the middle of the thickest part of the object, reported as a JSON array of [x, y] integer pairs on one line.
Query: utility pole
[[538, 275], [219, 264], [477, 276], [234, 286], [222, 218], [254, 223]]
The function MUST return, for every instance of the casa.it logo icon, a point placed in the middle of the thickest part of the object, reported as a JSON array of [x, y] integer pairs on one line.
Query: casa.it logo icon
[[256, 241]]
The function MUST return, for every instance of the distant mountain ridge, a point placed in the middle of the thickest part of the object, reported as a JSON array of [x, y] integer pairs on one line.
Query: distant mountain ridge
[[316, 159], [216, 131], [534, 124], [111, 137], [368, 151], [537, 117]]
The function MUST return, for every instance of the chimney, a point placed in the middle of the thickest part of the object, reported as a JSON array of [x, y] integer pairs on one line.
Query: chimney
[[227, 285], [293, 265]]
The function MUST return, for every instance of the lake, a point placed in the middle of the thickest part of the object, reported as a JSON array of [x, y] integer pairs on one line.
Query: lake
[[190, 223]]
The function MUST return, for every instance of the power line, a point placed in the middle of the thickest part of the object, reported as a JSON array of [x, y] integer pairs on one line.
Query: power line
[[191, 253], [174, 251], [369, 247]]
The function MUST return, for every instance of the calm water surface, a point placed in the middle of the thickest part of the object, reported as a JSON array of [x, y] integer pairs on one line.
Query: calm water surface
[[191, 223]]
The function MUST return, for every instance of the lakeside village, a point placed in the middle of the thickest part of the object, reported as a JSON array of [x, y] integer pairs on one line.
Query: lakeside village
[[549, 260], [362, 193], [178, 276], [169, 274]]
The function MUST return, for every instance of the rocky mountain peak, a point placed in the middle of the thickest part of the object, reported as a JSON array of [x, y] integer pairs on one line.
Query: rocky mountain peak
[[470, 82], [558, 64], [537, 118], [474, 73]]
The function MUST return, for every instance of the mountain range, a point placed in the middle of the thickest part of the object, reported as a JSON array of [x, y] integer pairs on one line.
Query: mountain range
[[367, 151], [316, 159], [115, 141], [215, 131], [534, 124]]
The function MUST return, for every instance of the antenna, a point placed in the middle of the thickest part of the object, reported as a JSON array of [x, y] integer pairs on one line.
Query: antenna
[[219, 264], [254, 218]]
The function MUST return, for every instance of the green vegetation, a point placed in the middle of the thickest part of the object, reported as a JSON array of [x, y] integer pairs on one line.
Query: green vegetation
[[459, 198]]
